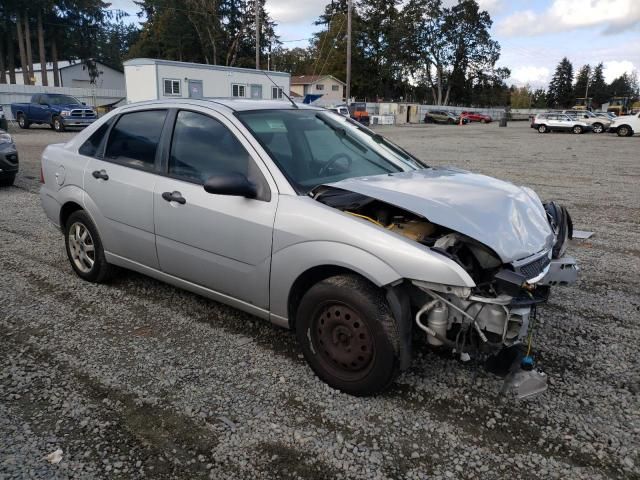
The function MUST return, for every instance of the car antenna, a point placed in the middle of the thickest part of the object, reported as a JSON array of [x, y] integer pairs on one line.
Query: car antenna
[[295, 105]]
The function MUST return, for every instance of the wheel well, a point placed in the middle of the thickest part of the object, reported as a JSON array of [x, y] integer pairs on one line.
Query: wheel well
[[66, 211], [307, 280]]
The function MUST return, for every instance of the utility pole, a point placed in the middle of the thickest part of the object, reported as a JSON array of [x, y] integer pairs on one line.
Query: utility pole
[[349, 10], [257, 7]]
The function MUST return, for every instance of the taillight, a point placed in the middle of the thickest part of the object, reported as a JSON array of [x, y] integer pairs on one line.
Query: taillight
[[41, 175]]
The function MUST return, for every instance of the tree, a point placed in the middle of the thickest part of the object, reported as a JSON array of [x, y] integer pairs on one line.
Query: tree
[[599, 90], [582, 87], [451, 47], [560, 94], [539, 98], [521, 97]]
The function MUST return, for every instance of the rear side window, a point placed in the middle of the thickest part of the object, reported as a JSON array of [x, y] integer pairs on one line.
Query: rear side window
[[92, 146], [134, 138]]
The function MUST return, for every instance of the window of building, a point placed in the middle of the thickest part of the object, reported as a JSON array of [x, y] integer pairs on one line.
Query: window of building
[[171, 87], [134, 139], [319, 86], [238, 90], [335, 88], [276, 93], [256, 92]]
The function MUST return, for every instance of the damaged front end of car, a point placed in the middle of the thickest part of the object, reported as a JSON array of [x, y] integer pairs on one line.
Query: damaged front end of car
[[514, 266]]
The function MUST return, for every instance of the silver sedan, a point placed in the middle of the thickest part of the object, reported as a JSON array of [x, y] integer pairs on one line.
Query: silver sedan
[[309, 220]]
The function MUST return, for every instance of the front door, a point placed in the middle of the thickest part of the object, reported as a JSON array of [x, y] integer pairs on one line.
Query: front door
[[120, 186], [195, 88], [217, 241]]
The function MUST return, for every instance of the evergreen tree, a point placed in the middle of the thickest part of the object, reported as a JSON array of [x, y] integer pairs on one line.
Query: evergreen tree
[[560, 94], [583, 82], [598, 89]]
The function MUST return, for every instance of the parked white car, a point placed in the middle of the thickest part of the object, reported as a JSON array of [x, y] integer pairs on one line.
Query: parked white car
[[598, 124], [549, 122], [626, 125]]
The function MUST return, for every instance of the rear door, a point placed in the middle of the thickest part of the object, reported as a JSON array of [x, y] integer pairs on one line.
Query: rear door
[[39, 110], [220, 242], [119, 185]]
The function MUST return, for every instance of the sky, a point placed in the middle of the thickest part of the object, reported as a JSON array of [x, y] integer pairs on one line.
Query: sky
[[533, 35]]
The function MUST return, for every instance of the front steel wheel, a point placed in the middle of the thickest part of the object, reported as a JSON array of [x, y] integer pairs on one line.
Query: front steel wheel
[[577, 129], [598, 128], [348, 335], [345, 344]]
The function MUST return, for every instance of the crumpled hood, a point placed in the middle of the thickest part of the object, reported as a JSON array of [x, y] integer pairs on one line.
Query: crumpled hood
[[508, 219]]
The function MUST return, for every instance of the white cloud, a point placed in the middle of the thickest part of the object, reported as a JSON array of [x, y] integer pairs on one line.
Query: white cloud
[[288, 11], [536, 77], [564, 15], [615, 68]]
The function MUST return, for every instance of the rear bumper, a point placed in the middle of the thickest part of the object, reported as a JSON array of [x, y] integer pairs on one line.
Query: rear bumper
[[9, 162]]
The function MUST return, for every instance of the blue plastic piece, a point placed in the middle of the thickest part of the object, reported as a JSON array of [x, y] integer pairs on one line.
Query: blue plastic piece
[[527, 363]]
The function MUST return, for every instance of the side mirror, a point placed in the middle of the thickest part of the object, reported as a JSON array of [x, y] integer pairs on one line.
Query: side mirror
[[233, 184]]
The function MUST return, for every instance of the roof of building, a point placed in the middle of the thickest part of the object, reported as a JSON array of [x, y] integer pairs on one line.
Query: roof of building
[[175, 63], [62, 64], [310, 79]]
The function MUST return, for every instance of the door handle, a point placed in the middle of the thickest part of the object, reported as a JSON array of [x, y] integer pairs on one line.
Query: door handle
[[174, 197], [100, 174]]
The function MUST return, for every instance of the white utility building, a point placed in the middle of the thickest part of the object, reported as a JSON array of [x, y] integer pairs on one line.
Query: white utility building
[[152, 79]]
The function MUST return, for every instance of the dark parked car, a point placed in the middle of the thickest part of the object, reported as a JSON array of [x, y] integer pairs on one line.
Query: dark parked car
[[59, 111], [8, 159], [441, 116], [3, 120]]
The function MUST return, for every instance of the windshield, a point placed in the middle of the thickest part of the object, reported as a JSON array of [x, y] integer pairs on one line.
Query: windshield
[[312, 148], [63, 100]]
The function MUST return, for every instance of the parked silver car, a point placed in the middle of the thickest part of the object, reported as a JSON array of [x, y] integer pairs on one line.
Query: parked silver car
[[598, 124], [308, 219], [558, 122]]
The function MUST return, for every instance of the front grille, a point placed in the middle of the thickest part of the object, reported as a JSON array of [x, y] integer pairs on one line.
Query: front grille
[[535, 268], [83, 113]]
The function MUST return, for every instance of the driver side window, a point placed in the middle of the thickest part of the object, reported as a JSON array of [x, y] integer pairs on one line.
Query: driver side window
[[202, 147]]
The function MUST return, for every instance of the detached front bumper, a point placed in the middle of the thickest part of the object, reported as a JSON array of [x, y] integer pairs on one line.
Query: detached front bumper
[[9, 163], [562, 271]]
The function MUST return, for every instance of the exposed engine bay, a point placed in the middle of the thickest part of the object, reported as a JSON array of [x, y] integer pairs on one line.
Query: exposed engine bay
[[500, 310]]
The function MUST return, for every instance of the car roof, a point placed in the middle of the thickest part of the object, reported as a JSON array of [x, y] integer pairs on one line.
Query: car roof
[[235, 105]]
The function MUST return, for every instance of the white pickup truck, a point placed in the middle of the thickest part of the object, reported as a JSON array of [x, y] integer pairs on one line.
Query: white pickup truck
[[626, 125]]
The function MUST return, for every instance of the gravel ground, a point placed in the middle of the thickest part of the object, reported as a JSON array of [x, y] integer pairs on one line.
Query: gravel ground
[[138, 379]]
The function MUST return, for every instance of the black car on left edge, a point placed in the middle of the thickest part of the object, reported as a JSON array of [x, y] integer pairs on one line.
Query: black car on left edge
[[8, 159]]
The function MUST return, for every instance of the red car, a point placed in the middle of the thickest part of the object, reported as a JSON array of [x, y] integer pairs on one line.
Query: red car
[[476, 117]]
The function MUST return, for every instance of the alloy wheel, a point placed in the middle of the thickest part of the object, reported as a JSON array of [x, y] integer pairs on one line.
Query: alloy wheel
[[81, 247]]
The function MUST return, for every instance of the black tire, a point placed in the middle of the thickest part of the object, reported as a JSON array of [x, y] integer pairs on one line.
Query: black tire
[[3, 124], [577, 129], [7, 181], [451, 121], [624, 131], [57, 124], [542, 129], [598, 128], [22, 121], [100, 271], [348, 335]]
